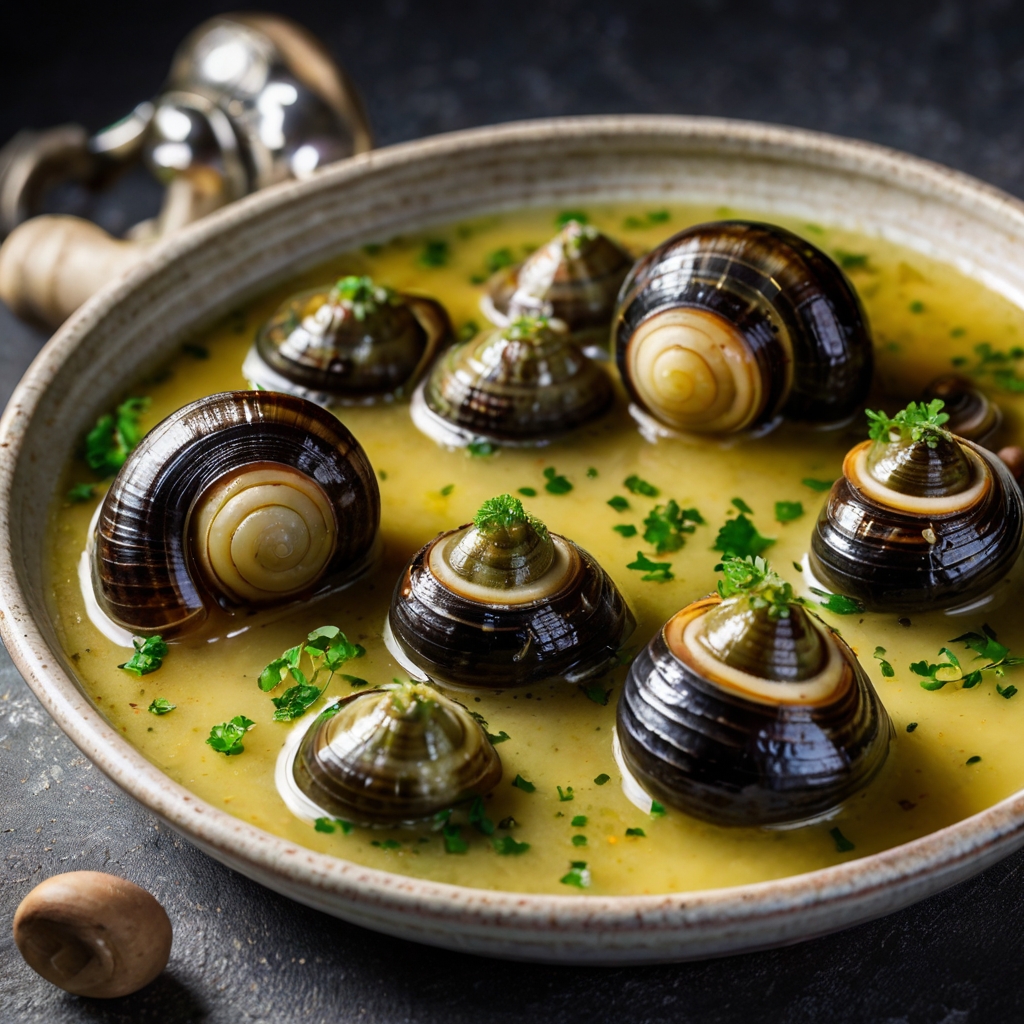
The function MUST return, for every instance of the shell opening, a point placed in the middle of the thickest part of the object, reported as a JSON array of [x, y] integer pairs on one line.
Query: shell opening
[[695, 371], [264, 533]]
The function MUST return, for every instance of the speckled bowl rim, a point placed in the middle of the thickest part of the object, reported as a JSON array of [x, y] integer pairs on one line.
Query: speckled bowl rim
[[571, 929]]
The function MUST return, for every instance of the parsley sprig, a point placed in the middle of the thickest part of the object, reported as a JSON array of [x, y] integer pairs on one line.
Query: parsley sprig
[[505, 513], [755, 579], [327, 649], [226, 738], [109, 443], [740, 538], [149, 655], [666, 525], [986, 647], [918, 421]]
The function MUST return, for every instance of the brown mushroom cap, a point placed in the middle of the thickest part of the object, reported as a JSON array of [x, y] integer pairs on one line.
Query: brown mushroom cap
[[93, 934]]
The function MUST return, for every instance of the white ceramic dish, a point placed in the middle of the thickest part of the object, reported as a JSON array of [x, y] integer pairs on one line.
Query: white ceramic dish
[[233, 255]]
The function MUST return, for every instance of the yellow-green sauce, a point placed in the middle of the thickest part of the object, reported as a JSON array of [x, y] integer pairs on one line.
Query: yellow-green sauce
[[923, 314]]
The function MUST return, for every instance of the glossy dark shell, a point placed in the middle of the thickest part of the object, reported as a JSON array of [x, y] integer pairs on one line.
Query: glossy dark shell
[[573, 278], [570, 635], [972, 414], [766, 282], [144, 575], [711, 753], [883, 556], [354, 361], [395, 772]]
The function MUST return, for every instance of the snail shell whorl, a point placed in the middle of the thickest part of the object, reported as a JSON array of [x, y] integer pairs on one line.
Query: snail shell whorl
[[727, 325], [393, 756], [739, 749], [252, 496], [564, 623], [972, 414], [899, 551]]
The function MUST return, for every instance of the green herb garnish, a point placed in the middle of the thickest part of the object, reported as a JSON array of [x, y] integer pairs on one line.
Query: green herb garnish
[[579, 821], [330, 825], [579, 840], [468, 331], [601, 779], [453, 841], [446, 490], [618, 503], [999, 366], [936, 675], [355, 681], [499, 260], [507, 846], [787, 511], [528, 492], [887, 669], [851, 260], [649, 220], [974, 760], [636, 832], [665, 525], [480, 449], [657, 809], [597, 693], [565, 796], [80, 493], [571, 215], [226, 738], [742, 506], [160, 706], [654, 572], [635, 485], [520, 783], [295, 701], [577, 875], [838, 604], [843, 845], [556, 484], [754, 579], [817, 485], [148, 657], [110, 441], [435, 253], [918, 421], [478, 817], [911, 726], [917, 306], [739, 537], [625, 529]]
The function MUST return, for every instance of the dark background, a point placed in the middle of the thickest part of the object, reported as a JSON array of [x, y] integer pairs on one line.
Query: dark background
[[942, 80]]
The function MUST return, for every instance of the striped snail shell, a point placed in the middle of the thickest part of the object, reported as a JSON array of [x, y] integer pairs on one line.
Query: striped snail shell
[[729, 326], [520, 385], [394, 756], [244, 498], [740, 717], [914, 525], [353, 343], [575, 278], [503, 602], [972, 414]]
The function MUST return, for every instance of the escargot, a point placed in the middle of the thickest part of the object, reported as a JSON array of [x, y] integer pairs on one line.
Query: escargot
[[920, 518], [730, 326], [519, 385], [575, 278], [744, 709], [394, 756], [972, 414], [353, 343], [503, 602], [243, 498]]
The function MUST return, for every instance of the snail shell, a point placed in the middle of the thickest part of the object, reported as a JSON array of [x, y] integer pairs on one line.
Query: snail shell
[[972, 414], [910, 527], [520, 385], [353, 343], [246, 497], [574, 278], [727, 326], [506, 607], [741, 719], [394, 756]]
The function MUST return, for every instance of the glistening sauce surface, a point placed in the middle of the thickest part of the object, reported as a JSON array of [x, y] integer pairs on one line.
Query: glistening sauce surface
[[922, 313]]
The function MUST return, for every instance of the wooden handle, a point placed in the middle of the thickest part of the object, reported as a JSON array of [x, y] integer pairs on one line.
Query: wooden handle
[[50, 265]]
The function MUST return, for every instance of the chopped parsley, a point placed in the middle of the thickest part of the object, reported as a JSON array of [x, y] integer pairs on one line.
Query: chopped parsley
[[556, 484], [739, 537], [507, 846], [974, 760], [887, 669], [577, 875], [654, 572], [838, 604], [918, 421], [579, 821], [386, 844], [295, 702], [636, 832], [480, 449], [742, 506], [997, 656], [649, 220], [453, 841], [330, 825], [917, 306], [936, 675], [657, 809], [665, 525], [494, 739], [499, 259], [997, 365], [635, 485], [597, 693], [446, 490], [161, 706], [625, 529], [843, 845], [618, 503], [226, 738], [111, 440], [355, 681], [525, 785], [601, 779], [817, 485], [528, 492], [468, 331], [571, 215], [758, 582], [503, 513], [851, 260], [787, 511], [911, 726], [478, 817], [148, 657], [565, 796], [435, 253], [579, 840], [80, 493], [591, 473]]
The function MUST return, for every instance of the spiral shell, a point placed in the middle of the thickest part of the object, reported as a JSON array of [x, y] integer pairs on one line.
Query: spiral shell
[[972, 414], [245, 498], [508, 606], [394, 756], [729, 326], [353, 343], [575, 278], [741, 720], [911, 527], [520, 385]]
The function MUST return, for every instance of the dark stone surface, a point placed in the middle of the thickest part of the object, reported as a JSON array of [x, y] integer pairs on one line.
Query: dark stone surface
[[944, 80]]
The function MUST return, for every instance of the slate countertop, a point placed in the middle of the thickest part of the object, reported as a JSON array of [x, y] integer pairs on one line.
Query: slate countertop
[[943, 80]]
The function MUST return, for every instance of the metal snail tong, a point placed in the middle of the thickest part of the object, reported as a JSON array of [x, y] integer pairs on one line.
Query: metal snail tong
[[394, 756], [521, 385], [920, 519], [355, 342], [503, 602], [239, 499], [575, 278], [744, 709], [731, 326]]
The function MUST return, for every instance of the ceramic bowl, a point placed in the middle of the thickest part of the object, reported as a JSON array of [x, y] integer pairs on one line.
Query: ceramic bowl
[[216, 265]]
